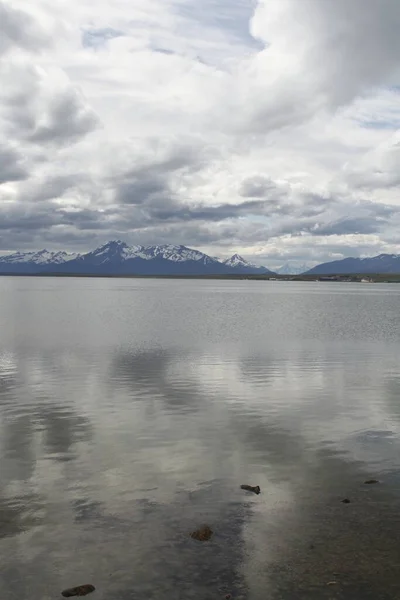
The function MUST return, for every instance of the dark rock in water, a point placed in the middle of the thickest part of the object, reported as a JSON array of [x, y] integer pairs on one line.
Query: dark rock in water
[[250, 488], [346, 501], [80, 590], [371, 481], [203, 534]]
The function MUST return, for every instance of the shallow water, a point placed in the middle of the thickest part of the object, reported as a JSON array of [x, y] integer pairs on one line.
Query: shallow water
[[131, 411]]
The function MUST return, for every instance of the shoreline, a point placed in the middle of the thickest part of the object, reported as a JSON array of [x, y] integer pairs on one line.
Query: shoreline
[[354, 278]]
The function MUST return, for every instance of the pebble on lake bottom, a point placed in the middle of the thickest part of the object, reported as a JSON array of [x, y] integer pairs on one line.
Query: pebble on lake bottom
[[203, 534], [80, 590], [251, 488]]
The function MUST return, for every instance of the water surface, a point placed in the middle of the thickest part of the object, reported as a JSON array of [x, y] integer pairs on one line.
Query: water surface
[[131, 411]]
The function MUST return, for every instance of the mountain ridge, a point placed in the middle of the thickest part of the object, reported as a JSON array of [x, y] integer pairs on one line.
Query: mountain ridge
[[381, 264], [118, 258]]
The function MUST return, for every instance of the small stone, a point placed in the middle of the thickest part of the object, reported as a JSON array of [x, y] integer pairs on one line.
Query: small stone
[[250, 488], [203, 534], [370, 481], [346, 501], [80, 590]]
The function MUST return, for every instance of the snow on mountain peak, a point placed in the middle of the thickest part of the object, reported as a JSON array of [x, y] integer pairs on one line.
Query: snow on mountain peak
[[112, 245], [237, 261], [118, 257], [40, 257], [175, 253], [170, 252]]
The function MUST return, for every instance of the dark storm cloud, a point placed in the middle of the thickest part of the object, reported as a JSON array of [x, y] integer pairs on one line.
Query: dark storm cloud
[[18, 29], [11, 165]]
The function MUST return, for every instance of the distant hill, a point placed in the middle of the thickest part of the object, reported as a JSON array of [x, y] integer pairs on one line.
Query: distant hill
[[384, 263], [117, 258]]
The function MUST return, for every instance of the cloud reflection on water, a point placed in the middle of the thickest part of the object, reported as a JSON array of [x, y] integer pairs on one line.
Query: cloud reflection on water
[[159, 441]]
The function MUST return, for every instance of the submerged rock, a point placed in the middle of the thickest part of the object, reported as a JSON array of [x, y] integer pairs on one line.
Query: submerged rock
[[80, 590], [250, 488], [203, 534]]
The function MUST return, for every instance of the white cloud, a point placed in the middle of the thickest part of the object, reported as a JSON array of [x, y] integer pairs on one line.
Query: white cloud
[[158, 121]]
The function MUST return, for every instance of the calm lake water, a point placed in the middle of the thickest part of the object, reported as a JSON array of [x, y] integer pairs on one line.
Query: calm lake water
[[131, 411]]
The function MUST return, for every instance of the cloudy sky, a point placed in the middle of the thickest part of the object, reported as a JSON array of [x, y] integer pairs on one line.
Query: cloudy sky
[[266, 127]]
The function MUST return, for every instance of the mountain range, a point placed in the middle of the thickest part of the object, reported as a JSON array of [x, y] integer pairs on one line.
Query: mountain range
[[117, 258], [384, 264]]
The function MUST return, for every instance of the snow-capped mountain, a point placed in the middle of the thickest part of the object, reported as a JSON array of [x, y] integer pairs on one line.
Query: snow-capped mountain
[[173, 253], [289, 269], [238, 263], [117, 258], [30, 262], [42, 257]]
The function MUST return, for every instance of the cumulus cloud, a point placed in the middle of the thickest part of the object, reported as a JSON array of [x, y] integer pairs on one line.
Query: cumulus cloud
[[18, 29], [266, 127]]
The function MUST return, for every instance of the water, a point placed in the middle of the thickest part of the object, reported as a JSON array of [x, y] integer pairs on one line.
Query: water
[[131, 411]]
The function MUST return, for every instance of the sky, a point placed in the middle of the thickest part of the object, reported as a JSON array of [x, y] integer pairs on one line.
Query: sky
[[269, 128]]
